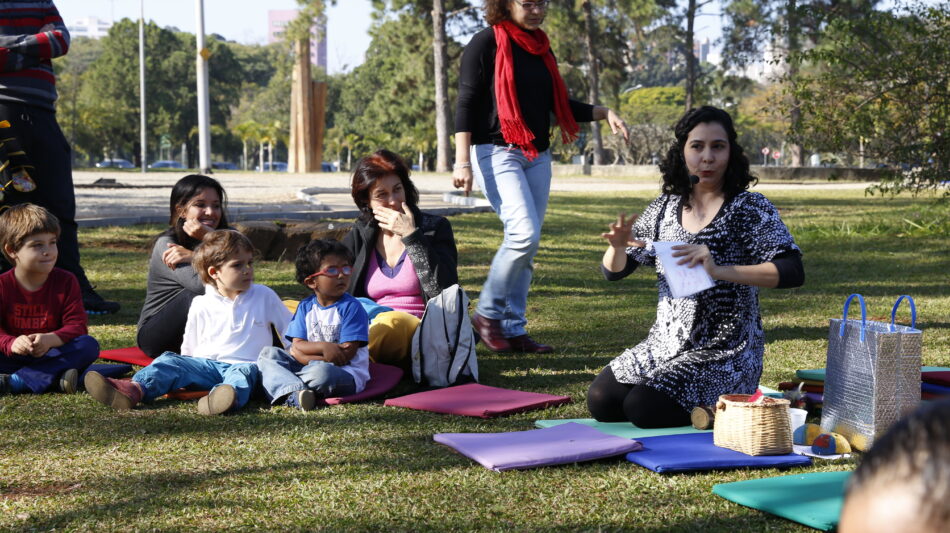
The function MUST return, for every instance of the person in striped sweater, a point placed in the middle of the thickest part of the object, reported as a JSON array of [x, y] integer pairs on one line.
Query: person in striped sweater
[[31, 34]]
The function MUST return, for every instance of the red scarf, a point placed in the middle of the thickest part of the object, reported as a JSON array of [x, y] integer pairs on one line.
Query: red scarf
[[513, 127]]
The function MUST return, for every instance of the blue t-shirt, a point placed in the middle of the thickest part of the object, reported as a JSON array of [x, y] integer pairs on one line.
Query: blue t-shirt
[[343, 321]]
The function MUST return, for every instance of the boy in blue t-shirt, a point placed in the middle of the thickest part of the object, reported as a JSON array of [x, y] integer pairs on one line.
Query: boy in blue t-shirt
[[330, 331]]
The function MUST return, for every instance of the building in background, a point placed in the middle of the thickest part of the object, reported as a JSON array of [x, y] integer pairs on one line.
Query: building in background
[[701, 50], [277, 21], [92, 27]]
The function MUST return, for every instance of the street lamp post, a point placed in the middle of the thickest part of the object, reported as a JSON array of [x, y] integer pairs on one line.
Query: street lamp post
[[204, 134], [142, 139]]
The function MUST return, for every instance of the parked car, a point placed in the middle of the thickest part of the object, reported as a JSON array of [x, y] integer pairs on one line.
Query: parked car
[[327, 167], [115, 163], [223, 165], [278, 166], [166, 164]]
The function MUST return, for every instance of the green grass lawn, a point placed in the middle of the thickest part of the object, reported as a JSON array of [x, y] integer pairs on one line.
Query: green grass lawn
[[69, 463]]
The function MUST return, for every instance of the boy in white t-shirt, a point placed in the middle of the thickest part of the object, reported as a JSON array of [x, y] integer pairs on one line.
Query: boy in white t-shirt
[[329, 332], [227, 328]]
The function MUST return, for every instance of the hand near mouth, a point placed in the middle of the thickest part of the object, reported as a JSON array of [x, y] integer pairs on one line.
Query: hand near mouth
[[196, 229]]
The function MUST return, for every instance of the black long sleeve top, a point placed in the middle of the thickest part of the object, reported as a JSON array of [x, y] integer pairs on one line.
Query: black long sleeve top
[[476, 109], [431, 249]]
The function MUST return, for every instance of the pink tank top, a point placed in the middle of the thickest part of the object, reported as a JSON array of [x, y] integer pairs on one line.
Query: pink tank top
[[401, 292]]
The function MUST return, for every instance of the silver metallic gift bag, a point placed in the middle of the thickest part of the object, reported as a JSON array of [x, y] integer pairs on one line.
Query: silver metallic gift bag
[[872, 376]]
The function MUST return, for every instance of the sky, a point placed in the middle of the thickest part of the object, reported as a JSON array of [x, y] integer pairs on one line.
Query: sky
[[245, 21]]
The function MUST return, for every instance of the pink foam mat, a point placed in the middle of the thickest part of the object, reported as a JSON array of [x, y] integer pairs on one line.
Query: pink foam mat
[[382, 379], [474, 399]]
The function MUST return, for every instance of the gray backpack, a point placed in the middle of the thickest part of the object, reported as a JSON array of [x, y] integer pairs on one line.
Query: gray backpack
[[443, 346]]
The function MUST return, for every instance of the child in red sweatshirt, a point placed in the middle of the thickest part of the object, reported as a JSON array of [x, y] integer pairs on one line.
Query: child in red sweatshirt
[[43, 336]]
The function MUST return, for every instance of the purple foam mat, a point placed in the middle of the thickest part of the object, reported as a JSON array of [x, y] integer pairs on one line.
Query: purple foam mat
[[474, 399], [562, 444], [382, 379]]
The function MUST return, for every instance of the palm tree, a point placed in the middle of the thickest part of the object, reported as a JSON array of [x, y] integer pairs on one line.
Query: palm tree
[[248, 130]]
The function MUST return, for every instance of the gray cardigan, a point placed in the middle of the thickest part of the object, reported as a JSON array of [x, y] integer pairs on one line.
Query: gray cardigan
[[165, 283]]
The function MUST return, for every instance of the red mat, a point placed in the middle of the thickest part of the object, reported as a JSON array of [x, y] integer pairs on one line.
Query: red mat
[[936, 378], [474, 399], [131, 355]]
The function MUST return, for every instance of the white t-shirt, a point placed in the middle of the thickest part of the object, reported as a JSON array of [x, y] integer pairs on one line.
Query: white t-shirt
[[233, 331], [343, 321]]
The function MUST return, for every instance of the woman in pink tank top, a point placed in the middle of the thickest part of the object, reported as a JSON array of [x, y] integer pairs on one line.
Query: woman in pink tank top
[[404, 257]]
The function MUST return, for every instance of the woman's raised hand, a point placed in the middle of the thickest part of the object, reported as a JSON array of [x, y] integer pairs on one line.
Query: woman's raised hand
[[176, 255], [620, 232], [398, 223]]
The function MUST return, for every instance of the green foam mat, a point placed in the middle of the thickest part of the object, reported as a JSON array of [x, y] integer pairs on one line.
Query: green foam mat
[[620, 429], [818, 374], [813, 499]]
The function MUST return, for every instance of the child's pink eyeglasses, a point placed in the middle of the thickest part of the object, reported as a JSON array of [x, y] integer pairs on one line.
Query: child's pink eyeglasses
[[331, 272]]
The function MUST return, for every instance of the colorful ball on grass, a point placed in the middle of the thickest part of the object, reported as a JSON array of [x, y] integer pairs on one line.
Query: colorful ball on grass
[[806, 434], [830, 444]]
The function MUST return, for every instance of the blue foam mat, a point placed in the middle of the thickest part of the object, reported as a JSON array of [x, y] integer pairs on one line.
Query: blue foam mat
[[695, 452]]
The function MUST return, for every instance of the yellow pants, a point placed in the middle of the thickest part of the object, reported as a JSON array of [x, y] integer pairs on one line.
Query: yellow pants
[[390, 336]]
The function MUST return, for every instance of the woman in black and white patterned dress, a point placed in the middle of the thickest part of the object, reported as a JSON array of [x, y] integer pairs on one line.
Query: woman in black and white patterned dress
[[709, 343]]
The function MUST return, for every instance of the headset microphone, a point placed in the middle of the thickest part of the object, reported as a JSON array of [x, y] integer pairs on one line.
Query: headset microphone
[[693, 179]]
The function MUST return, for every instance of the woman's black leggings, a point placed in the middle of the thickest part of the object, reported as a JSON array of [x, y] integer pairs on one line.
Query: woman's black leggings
[[645, 407]]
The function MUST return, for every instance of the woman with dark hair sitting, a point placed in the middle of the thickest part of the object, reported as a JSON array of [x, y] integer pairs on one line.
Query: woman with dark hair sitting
[[709, 343], [196, 208], [404, 257]]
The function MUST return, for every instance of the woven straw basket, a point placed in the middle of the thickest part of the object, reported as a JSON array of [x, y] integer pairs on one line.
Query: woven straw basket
[[753, 428]]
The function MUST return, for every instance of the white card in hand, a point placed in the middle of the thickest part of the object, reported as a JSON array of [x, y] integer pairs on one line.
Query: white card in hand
[[683, 280]]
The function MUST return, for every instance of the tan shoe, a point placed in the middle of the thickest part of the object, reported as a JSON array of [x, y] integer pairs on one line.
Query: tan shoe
[[220, 401]]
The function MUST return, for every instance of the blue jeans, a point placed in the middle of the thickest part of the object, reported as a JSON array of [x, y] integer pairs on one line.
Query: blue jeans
[[39, 373], [282, 375], [171, 371], [518, 191]]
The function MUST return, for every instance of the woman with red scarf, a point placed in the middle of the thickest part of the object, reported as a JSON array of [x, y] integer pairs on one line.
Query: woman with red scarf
[[509, 88]]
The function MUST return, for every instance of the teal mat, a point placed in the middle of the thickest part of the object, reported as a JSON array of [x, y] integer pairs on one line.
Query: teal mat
[[620, 429], [818, 374], [813, 499]]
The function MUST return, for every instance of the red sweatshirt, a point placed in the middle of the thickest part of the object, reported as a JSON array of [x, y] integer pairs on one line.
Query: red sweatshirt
[[55, 308]]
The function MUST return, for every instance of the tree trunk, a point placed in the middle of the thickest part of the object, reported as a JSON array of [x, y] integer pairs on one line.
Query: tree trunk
[[442, 109], [244, 155], [594, 92], [690, 56], [795, 117]]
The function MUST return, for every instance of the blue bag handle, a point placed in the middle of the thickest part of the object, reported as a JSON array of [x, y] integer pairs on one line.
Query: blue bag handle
[[864, 314], [913, 311]]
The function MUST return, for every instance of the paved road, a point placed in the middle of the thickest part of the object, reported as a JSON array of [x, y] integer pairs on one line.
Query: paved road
[[251, 195]]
